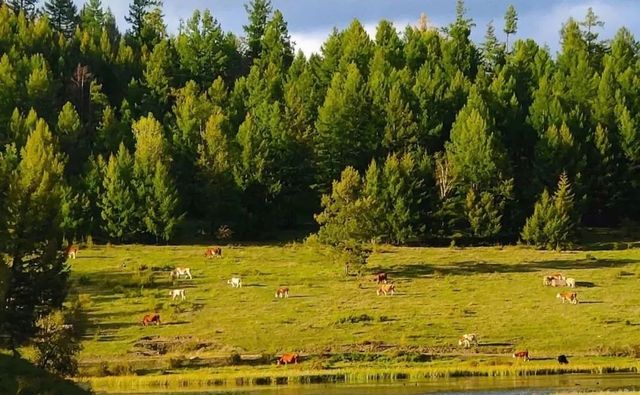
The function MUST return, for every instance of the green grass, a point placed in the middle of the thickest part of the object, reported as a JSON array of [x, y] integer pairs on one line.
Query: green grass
[[339, 322]]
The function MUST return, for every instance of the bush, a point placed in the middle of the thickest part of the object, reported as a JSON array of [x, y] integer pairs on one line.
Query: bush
[[56, 345]]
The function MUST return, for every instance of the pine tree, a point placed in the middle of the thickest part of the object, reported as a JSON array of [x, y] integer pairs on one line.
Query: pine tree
[[400, 131], [92, 16], [63, 15], [484, 214], [259, 12], [553, 221], [345, 219], [138, 10], [34, 244], [510, 22], [344, 136], [118, 199], [161, 215], [476, 157], [26, 6], [492, 49]]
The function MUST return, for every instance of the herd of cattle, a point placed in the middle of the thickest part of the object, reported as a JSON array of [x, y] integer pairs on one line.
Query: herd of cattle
[[385, 287]]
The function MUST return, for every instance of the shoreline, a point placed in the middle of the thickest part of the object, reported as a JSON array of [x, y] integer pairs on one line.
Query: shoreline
[[247, 379]]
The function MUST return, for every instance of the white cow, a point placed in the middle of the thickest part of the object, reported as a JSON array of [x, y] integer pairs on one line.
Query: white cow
[[236, 282], [181, 271], [468, 339], [177, 293], [571, 282]]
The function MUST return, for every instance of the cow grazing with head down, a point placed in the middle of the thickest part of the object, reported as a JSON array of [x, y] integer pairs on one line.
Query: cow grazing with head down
[[150, 319], [524, 355], [71, 251], [468, 339], [282, 292], [386, 289], [287, 358], [236, 282], [380, 278], [181, 271], [571, 297], [177, 293], [213, 252], [562, 359]]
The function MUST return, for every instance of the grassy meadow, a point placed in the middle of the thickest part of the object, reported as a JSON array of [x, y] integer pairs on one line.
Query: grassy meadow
[[225, 336]]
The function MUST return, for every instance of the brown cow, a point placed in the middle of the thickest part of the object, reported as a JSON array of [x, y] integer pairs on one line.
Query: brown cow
[[524, 355], [213, 252], [151, 319], [571, 297], [282, 292], [380, 278], [287, 358], [386, 289], [71, 251]]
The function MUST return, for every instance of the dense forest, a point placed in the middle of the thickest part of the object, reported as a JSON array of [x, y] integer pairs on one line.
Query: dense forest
[[405, 137]]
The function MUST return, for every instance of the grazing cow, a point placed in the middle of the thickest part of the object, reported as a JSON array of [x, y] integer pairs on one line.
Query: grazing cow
[[571, 282], [235, 282], [559, 276], [282, 292], [71, 251], [151, 319], [558, 282], [385, 289], [562, 359], [546, 280], [468, 339], [181, 271], [380, 278], [287, 358], [570, 297], [213, 252], [177, 293], [524, 355]]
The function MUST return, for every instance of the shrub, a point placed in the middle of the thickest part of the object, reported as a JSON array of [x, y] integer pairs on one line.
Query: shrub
[[56, 345]]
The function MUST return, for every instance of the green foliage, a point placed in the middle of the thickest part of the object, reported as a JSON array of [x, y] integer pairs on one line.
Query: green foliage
[[510, 22], [258, 12], [33, 242], [117, 200], [552, 224], [56, 345], [63, 15]]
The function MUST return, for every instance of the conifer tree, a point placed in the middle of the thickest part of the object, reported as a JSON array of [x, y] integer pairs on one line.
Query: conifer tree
[[161, 215], [345, 218], [118, 199], [510, 23], [138, 9], [63, 15], [344, 135], [484, 214], [38, 273], [26, 6], [259, 12], [553, 221], [492, 49]]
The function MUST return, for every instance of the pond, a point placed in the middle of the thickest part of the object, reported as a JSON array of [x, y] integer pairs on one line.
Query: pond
[[476, 385]]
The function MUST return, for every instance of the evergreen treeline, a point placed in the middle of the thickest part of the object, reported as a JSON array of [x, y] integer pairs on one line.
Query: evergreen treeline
[[402, 137]]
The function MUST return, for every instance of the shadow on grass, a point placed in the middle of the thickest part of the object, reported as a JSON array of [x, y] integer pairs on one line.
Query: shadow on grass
[[591, 302], [497, 344], [18, 376], [468, 268], [585, 284]]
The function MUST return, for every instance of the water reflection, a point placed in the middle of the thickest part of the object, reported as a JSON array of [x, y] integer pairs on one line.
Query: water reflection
[[473, 385]]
